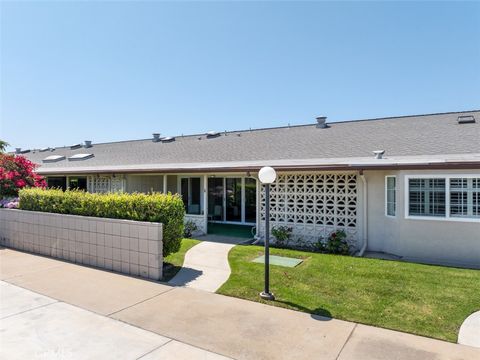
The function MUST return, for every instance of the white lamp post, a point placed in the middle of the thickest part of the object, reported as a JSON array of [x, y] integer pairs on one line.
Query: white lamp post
[[267, 176]]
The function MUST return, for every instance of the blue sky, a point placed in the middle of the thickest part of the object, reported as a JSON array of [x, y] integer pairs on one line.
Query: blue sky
[[107, 71]]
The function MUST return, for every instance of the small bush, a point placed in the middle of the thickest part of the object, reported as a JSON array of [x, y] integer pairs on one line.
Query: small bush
[[337, 243], [282, 235], [190, 228], [167, 209]]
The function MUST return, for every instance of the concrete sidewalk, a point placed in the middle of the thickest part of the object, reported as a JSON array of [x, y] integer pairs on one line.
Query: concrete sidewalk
[[206, 265], [232, 327]]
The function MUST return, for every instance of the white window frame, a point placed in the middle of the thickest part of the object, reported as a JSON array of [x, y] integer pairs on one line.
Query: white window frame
[[179, 187], [447, 197], [386, 196]]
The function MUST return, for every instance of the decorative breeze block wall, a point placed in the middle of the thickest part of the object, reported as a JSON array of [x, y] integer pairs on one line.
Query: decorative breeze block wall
[[106, 183], [129, 247], [313, 204]]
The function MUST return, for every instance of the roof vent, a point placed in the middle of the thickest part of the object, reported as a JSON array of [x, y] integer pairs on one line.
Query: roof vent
[[53, 158], [466, 119], [78, 157], [379, 154], [88, 144], [156, 137], [212, 134], [75, 146], [18, 150], [321, 122], [167, 139]]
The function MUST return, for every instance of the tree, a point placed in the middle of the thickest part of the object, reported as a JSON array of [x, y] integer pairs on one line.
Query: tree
[[3, 146], [17, 172]]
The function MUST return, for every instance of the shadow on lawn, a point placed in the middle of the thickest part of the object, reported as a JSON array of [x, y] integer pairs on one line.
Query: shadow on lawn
[[319, 314]]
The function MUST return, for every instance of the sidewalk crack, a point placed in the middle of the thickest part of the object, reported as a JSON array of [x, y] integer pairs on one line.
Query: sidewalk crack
[[137, 303], [346, 341]]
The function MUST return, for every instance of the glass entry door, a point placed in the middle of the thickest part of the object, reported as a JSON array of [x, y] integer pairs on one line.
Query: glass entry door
[[215, 199], [232, 199]]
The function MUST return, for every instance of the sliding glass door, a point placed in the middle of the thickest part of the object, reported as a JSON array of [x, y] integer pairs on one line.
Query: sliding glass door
[[250, 200], [232, 199], [215, 199]]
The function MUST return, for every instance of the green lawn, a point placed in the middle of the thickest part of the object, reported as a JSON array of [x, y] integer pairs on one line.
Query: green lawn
[[173, 262], [421, 299]]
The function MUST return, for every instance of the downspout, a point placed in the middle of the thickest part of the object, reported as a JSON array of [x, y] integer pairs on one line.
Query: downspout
[[365, 219]]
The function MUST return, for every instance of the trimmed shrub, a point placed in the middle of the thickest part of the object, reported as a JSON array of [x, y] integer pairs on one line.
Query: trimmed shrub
[[167, 209]]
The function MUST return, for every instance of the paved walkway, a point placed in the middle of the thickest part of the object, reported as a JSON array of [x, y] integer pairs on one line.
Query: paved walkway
[[223, 325], [56, 330], [469, 333], [206, 265]]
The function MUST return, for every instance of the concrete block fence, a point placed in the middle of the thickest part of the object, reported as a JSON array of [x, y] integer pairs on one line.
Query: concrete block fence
[[129, 247]]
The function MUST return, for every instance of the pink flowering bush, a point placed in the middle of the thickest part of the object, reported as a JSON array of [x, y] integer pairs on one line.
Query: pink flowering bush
[[17, 172]]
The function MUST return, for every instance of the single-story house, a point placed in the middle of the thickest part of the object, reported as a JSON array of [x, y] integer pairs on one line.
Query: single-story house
[[408, 185]]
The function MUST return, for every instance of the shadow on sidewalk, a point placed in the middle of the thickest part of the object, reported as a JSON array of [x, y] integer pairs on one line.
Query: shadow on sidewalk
[[319, 314], [184, 276]]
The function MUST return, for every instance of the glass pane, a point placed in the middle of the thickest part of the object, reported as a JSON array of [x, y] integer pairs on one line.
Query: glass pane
[[234, 199], [215, 199], [458, 197], [184, 191], [79, 183], [250, 200], [427, 197], [464, 196], [57, 182], [194, 205], [391, 196]]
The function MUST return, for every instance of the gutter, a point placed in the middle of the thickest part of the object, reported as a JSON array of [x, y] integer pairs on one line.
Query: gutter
[[365, 219]]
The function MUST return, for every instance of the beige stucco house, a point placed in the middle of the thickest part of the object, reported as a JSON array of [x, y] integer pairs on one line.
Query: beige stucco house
[[407, 186]]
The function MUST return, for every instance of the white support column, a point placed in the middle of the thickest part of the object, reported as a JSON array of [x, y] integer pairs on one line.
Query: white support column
[[205, 202], [242, 198], [165, 183], [259, 205]]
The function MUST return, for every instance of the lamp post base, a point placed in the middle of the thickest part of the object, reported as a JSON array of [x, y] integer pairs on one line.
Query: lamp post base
[[267, 296]]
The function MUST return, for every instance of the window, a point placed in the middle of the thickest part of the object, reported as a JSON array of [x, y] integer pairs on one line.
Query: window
[[465, 197], [57, 182], [77, 183], [190, 188], [390, 195], [427, 197], [451, 197]]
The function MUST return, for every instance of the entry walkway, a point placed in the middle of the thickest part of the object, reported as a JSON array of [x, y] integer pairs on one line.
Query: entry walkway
[[223, 325], [206, 265], [469, 333]]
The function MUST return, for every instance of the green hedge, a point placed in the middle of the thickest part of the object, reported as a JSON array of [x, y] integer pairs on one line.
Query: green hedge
[[167, 209]]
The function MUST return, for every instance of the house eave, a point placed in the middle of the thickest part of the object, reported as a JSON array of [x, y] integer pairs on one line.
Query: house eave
[[433, 165]]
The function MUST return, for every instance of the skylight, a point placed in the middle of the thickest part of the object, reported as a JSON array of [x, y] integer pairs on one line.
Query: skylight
[[80, 157], [75, 146], [44, 149], [212, 134], [168, 139], [54, 158], [466, 119]]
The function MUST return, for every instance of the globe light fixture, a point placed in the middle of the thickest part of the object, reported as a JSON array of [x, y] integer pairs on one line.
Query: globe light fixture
[[267, 176]]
